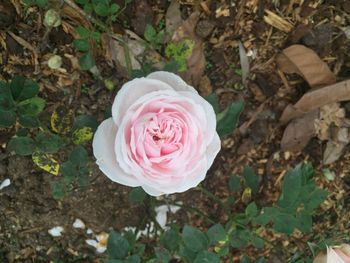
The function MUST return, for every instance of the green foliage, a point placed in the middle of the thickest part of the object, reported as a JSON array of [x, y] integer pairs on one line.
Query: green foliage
[[194, 239], [21, 145], [19, 100], [234, 183], [40, 3], [298, 201], [179, 52], [153, 37], [137, 195], [251, 180], [84, 44], [226, 121], [117, 246]]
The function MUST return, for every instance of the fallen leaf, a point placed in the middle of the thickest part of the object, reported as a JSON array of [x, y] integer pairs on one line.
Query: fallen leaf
[[244, 63], [143, 16], [330, 114], [305, 62], [196, 61], [299, 132], [316, 99], [334, 150], [173, 19]]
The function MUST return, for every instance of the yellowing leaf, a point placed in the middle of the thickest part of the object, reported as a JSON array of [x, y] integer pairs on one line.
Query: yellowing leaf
[[62, 120], [46, 162], [82, 135]]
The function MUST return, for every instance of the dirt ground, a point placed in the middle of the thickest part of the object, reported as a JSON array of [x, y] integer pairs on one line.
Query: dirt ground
[[27, 208]]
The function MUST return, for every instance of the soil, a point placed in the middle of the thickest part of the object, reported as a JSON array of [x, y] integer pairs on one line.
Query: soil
[[27, 208]]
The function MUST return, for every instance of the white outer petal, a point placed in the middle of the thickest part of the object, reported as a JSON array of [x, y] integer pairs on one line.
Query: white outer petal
[[131, 91], [172, 80], [213, 149], [103, 148], [332, 256]]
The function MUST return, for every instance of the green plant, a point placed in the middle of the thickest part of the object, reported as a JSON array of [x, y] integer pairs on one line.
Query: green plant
[[297, 203], [84, 44], [40, 3], [19, 102], [103, 8], [154, 37], [179, 52]]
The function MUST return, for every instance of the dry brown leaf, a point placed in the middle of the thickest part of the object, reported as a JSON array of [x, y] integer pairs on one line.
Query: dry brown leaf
[[139, 53], [305, 62], [330, 114], [334, 149], [299, 132], [316, 99], [173, 19], [196, 61]]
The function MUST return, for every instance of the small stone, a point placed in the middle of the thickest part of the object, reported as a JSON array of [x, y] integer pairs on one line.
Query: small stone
[[52, 18], [56, 231], [54, 62], [5, 183], [78, 224]]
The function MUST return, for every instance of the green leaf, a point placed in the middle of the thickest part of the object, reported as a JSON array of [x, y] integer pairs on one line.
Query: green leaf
[[29, 121], [79, 156], [59, 189], [315, 199], [304, 222], [87, 61], [291, 188], [258, 242], [228, 119], [117, 246], [21, 145], [22, 132], [171, 239], [46, 162], [214, 102], [85, 121], [83, 32], [82, 135], [285, 223], [42, 3], [114, 8], [234, 183], [7, 118], [207, 257], [81, 44], [136, 195], [133, 259], [48, 142], [95, 36], [162, 254], [251, 210], [150, 33], [251, 179], [240, 238], [187, 254], [101, 9], [172, 66], [68, 170], [216, 233], [194, 239], [23, 88], [6, 99], [32, 106]]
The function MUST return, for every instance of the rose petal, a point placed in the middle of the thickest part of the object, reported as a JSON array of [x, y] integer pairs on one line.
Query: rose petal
[[333, 257], [172, 80], [210, 114], [213, 149], [131, 92], [103, 148]]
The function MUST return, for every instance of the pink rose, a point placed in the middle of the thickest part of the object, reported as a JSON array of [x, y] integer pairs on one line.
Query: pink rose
[[337, 254], [162, 136]]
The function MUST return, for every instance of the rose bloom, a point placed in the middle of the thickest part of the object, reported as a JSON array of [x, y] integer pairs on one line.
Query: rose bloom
[[162, 136], [337, 254]]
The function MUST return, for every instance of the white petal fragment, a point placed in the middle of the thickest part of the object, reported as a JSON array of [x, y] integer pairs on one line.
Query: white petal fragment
[[78, 224], [172, 80], [5, 183], [56, 231]]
